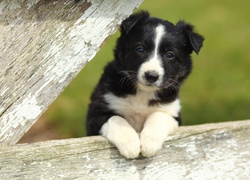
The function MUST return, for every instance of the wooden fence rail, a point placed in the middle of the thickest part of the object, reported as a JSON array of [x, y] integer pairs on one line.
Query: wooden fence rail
[[44, 44], [212, 151]]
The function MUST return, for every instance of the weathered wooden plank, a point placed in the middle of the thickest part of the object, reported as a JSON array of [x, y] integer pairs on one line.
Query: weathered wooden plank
[[44, 44], [215, 151]]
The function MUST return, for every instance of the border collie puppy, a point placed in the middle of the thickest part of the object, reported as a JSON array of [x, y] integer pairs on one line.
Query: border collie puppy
[[136, 102]]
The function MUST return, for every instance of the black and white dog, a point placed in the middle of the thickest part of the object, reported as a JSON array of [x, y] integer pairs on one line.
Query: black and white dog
[[136, 103]]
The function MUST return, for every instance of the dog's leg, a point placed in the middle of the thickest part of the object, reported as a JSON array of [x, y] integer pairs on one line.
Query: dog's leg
[[156, 129], [119, 132]]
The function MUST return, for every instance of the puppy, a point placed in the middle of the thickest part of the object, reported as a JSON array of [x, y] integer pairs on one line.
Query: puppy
[[136, 102]]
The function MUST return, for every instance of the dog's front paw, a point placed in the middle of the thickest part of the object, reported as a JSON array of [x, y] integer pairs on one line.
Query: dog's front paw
[[156, 129], [123, 136], [129, 146], [150, 145]]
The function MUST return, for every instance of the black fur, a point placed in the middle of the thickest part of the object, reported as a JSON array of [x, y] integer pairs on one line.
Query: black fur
[[137, 30]]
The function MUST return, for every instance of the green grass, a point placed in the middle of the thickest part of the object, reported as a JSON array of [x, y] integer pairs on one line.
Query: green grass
[[218, 88]]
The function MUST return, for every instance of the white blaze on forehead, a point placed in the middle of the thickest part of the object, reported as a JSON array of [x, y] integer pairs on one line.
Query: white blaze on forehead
[[154, 62], [159, 32]]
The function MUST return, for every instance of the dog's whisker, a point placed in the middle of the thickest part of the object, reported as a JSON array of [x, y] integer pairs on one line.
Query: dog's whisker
[[127, 72], [173, 84], [128, 78], [124, 80]]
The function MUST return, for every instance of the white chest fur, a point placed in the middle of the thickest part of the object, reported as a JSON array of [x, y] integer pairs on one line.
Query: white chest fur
[[135, 109]]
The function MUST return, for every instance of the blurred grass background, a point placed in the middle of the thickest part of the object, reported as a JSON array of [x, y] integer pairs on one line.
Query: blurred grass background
[[218, 88]]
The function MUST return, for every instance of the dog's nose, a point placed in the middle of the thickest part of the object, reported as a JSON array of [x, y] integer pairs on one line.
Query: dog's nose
[[151, 76]]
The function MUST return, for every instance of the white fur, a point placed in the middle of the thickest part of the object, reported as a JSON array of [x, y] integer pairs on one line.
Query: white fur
[[154, 63], [153, 122], [122, 135], [135, 109], [156, 129]]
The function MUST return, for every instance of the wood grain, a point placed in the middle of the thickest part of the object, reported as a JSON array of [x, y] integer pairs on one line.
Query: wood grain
[[212, 151], [44, 44]]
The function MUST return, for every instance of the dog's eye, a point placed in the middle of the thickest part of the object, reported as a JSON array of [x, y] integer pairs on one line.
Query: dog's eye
[[170, 55], [139, 50]]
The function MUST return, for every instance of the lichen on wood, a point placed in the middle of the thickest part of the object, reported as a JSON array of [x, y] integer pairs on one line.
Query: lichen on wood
[[44, 44], [212, 151]]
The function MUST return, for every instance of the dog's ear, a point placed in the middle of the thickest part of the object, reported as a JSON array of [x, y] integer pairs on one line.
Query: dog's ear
[[196, 40], [132, 20]]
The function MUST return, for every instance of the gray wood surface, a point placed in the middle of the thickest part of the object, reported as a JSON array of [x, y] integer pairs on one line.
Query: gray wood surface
[[212, 151], [43, 45]]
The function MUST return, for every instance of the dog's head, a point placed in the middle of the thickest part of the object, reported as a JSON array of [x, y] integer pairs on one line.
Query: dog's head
[[154, 53]]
